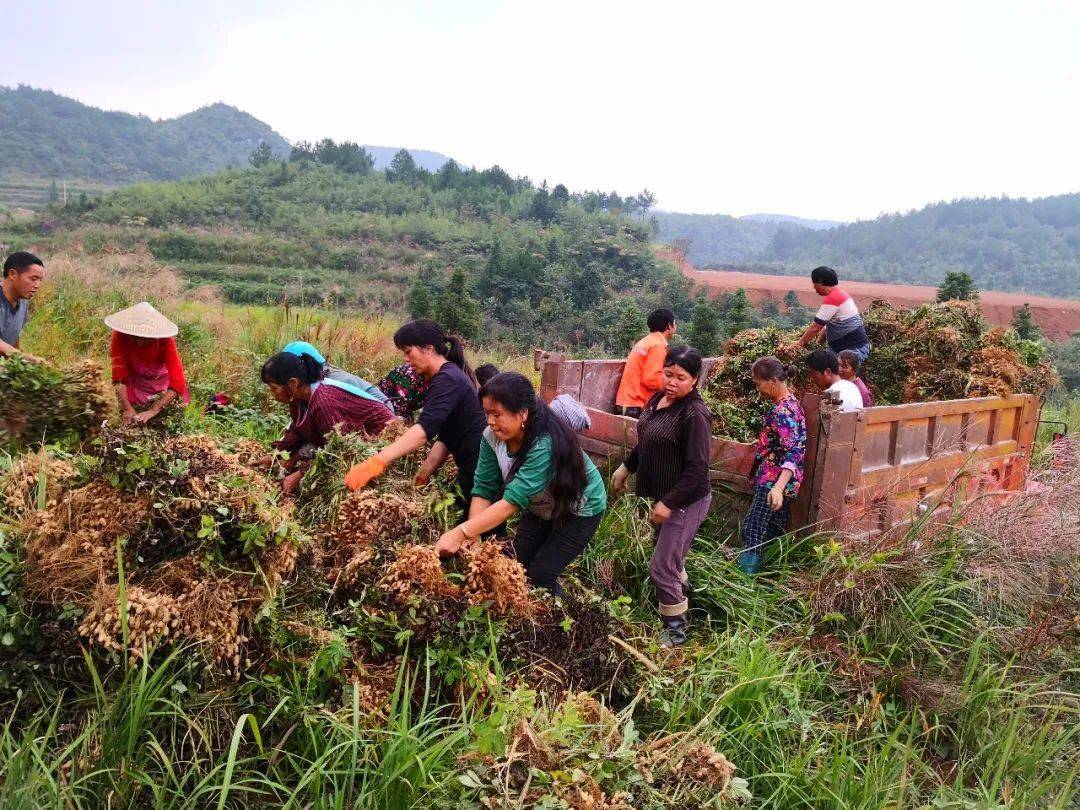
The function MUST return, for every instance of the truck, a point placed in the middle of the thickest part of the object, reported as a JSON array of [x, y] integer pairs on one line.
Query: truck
[[866, 471]]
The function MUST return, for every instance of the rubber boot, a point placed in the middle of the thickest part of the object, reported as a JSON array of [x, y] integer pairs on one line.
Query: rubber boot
[[750, 561], [673, 633], [673, 619]]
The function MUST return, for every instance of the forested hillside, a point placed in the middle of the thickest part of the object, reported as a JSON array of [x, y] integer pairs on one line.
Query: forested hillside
[[1004, 244], [470, 247], [46, 135], [713, 239]]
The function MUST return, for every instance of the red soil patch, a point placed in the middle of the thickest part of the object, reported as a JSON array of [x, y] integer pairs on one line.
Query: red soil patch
[[1058, 317]]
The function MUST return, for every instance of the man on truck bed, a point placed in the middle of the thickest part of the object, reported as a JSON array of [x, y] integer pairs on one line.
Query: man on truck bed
[[643, 375], [825, 373], [838, 316]]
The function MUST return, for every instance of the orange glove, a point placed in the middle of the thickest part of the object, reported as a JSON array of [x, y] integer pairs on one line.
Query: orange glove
[[365, 472], [422, 479]]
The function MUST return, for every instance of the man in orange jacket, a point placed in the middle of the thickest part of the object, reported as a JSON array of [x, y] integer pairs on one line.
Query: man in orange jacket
[[643, 375]]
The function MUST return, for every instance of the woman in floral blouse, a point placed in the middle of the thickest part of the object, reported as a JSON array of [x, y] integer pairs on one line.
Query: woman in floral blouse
[[778, 462], [405, 387]]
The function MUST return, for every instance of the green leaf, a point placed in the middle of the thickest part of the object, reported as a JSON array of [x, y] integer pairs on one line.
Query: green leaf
[[470, 780]]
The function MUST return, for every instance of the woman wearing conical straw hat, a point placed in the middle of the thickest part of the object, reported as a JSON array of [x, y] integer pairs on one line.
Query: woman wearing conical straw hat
[[147, 373]]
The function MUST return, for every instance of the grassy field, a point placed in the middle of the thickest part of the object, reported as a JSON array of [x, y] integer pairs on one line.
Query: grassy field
[[936, 668]]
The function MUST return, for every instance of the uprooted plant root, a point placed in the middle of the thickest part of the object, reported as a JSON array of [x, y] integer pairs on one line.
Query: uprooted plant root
[[417, 573], [493, 578], [21, 483], [367, 525], [42, 403], [73, 544]]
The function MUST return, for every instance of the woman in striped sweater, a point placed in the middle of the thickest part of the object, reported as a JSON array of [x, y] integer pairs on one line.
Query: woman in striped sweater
[[671, 461]]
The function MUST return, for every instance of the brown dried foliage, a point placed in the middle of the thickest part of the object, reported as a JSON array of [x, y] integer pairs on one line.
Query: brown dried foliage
[[592, 711], [995, 372], [869, 587]]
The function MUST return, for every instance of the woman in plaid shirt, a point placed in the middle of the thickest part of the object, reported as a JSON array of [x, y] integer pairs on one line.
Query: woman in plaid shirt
[[297, 379], [778, 462]]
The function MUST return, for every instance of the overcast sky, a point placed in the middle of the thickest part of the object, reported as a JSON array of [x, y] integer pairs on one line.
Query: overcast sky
[[823, 110]]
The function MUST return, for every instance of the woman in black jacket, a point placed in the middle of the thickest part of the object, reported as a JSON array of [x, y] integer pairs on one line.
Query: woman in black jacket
[[671, 461]]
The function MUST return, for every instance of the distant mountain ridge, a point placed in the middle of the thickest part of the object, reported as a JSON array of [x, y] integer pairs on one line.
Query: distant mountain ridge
[[47, 137], [786, 219], [717, 238], [432, 161], [43, 134], [1003, 243]]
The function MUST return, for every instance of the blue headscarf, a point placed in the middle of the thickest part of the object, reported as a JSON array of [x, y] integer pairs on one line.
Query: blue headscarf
[[300, 347]]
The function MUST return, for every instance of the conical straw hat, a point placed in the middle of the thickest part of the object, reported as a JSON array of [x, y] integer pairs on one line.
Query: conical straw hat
[[141, 320]]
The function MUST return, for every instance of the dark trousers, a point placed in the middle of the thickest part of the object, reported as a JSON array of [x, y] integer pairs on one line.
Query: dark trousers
[[760, 527], [545, 548]]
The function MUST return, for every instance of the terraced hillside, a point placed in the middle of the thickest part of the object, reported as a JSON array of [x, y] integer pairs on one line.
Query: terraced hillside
[[35, 193], [461, 245]]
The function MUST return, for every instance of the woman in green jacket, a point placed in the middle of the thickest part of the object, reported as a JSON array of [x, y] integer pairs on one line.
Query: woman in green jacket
[[530, 462]]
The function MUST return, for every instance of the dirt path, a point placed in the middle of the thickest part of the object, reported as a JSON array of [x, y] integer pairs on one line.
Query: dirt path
[[1059, 318]]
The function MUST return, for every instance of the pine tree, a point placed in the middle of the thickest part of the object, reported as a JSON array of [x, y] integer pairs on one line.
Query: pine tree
[[797, 314], [492, 275], [957, 286], [54, 192], [283, 173], [740, 313], [629, 327], [261, 155], [456, 310], [706, 328], [644, 201], [1024, 324], [402, 168], [542, 208], [421, 302]]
